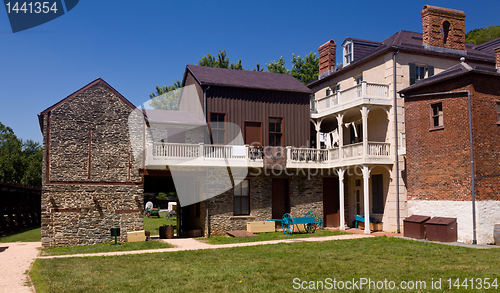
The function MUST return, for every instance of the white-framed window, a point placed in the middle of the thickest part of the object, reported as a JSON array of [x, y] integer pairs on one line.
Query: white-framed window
[[358, 79], [437, 120], [420, 71], [348, 53], [332, 89]]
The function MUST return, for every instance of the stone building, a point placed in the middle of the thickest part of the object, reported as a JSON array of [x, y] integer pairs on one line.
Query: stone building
[[453, 148], [359, 101], [91, 182]]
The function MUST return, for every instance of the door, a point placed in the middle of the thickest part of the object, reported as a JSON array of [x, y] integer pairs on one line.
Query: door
[[358, 197], [331, 202], [253, 133], [280, 199]]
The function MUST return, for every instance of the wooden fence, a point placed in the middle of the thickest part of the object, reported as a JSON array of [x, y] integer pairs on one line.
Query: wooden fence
[[20, 207]]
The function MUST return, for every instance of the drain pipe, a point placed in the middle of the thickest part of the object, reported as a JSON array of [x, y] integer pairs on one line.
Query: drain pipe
[[473, 176], [396, 155], [207, 228]]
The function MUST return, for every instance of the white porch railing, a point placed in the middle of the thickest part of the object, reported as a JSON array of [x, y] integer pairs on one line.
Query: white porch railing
[[200, 154], [360, 91]]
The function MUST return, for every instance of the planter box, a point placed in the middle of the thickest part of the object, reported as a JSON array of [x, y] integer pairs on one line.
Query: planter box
[[260, 226], [373, 226], [136, 236]]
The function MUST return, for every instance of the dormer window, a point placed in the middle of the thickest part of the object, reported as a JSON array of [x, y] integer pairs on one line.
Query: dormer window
[[348, 53]]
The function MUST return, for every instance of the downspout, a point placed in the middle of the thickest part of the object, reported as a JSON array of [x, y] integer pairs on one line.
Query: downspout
[[207, 228], [396, 155], [473, 176]]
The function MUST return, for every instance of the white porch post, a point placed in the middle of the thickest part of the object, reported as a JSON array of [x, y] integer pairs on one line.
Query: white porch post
[[364, 116], [366, 176], [340, 127], [341, 198], [317, 127]]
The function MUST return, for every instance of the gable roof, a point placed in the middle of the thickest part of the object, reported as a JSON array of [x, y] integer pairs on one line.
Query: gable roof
[[411, 42], [489, 47], [91, 84], [244, 79], [450, 73]]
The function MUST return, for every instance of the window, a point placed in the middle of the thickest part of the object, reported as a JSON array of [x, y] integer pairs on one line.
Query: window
[[348, 53], [275, 131], [437, 115], [358, 79], [418, 72], [446, 30], [378, 194], [218, 128], [498, 112], [241, 198]]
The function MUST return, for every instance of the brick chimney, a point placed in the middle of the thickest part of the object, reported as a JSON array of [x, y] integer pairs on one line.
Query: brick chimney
[[326, 53], [443, 28], [497, 57]]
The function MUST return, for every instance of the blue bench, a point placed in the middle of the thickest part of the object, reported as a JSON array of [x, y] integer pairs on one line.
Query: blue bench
[[358, 218]]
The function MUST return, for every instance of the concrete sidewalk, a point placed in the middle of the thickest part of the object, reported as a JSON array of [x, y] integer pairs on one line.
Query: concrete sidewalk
[[15, 260], [183, 244]]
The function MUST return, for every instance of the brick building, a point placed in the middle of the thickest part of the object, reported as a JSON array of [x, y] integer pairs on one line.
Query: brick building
[[442, 176]]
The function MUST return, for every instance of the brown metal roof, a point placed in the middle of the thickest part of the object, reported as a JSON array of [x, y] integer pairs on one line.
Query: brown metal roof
[[245, 79], [405, 41]]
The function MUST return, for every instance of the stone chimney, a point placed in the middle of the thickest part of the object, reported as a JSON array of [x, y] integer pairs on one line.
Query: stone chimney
[[497, 57], [326, 54], [443, 28]]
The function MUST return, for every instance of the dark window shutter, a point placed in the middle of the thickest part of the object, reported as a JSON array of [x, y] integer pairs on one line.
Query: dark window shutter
[[430, 71], [413, 73]]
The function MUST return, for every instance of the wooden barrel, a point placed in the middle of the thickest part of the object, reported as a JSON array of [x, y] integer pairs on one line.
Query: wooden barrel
[[496, 234], [170, 232], [163, 232]]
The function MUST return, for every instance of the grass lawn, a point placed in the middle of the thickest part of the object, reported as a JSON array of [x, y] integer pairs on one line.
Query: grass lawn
[[153, 224], [269, 236], [33, 235], [106, 247], [270, 268]]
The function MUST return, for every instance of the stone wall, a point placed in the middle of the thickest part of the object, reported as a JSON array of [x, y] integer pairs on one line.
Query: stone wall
[[91, 180]]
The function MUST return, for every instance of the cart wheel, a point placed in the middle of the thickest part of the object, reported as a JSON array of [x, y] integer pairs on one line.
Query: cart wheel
[[320, 223], [310, 214], [311, 227], [287, 224]]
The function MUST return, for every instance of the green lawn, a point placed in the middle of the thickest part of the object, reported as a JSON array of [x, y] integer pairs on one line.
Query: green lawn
[[153, 224], [270, 268], [33, 235], [106, 247], [269, 236]]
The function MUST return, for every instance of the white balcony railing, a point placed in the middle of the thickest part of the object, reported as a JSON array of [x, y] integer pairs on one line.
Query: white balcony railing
[[357, 92], [162, 154]]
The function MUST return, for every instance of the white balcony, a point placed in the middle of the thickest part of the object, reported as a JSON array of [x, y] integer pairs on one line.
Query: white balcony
[[364, 93], [160, 155]]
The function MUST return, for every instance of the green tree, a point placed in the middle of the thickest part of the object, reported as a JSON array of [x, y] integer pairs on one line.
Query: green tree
[[221, 61], [277, 66], [258, 68], [165, 97], [20, 162], [482, 35], [305, 69]]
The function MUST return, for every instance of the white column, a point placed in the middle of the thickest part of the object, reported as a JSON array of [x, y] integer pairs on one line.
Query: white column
[[340, 127], [364, 116], [317, 127], [341, 198], [366, 176]]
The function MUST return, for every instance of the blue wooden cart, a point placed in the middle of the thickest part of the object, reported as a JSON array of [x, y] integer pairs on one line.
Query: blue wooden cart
[[309, 222]]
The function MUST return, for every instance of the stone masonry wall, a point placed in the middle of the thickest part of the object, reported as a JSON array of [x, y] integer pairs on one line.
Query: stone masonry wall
[[90, 177]]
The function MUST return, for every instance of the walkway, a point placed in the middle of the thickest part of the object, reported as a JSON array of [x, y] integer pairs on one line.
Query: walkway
[[15, 260]]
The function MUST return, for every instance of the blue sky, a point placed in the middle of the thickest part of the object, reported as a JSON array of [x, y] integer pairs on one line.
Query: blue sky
[[136, 45]]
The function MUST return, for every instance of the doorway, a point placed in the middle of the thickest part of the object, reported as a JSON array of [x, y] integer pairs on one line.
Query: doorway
[[331, 209], [280, 198]]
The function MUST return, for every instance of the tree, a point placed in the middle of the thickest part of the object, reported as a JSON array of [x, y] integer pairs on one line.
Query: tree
[[20, 162], [258, 68], [483, 35], [165, 97], [277, 66], [222, 61], [305, 69]]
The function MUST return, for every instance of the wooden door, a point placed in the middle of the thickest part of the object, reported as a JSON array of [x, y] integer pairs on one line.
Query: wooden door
[[253, 133], [331, 209], [280, 199]]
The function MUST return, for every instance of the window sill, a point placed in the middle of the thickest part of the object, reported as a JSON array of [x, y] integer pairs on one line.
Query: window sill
[[241, 217], [436, 128]]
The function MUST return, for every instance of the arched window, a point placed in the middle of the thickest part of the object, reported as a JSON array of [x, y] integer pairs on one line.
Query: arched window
[[446, 30]]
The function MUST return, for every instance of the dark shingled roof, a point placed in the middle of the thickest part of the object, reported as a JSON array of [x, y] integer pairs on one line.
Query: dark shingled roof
[[406, 41], [174, 117], [489, 47], [246, 79], [450, 73]]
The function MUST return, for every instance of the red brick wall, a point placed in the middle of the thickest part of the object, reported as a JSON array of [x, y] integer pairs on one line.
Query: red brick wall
[[497, 57], [438, 162], [326, 55], [432, 27]]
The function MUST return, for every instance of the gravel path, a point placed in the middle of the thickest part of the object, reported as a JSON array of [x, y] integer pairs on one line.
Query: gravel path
[[15, 259]]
